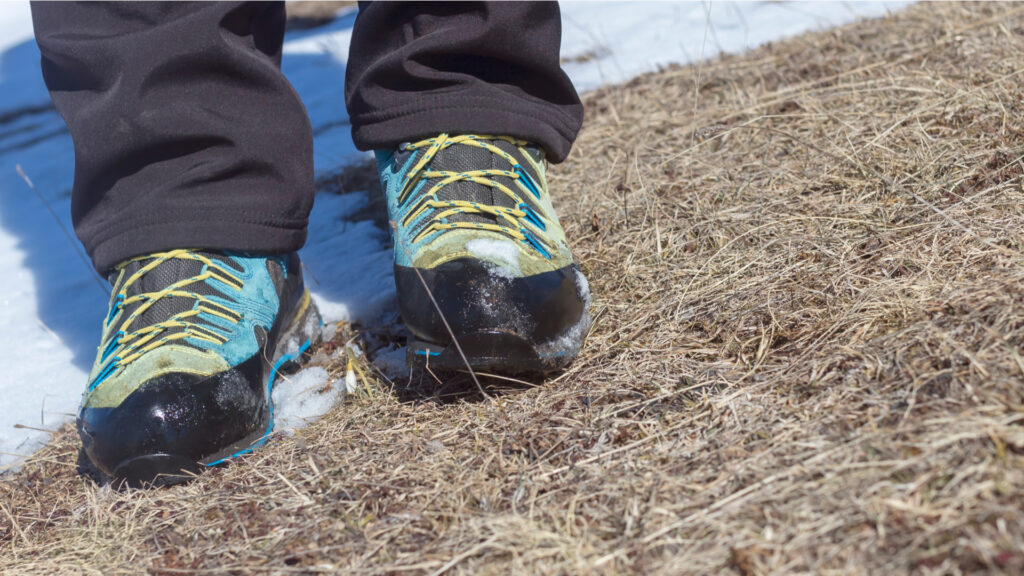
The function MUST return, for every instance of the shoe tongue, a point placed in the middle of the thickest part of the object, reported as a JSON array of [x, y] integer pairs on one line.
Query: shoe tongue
[[462, 158], [163, 275]]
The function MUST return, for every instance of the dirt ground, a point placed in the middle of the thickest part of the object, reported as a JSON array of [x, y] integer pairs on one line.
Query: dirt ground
[[808, 354]]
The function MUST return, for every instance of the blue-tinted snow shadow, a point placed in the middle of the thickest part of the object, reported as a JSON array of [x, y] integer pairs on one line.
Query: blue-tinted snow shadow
[[350, 260], [70, 299], [347, 257]]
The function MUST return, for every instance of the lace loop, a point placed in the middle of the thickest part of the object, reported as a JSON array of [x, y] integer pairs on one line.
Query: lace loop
[[511, 222]]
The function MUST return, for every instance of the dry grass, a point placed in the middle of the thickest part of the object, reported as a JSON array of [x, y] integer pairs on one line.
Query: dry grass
[[304, 14], [807, 355]]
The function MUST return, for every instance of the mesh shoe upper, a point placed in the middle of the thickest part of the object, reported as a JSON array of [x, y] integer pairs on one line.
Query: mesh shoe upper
[[182, 311], [483, 197]]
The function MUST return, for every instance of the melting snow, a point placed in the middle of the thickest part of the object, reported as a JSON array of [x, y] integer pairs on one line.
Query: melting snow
[[501, 255], [304, 397]]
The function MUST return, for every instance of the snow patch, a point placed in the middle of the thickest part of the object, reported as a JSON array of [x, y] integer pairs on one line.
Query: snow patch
[[348, 264], [392, 362], [15, 25], [611, 42], [304, 397], [583, 288], [500, 256], [330, 329]]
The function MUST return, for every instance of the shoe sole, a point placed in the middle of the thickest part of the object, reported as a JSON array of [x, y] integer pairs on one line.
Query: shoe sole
[[290, 354]]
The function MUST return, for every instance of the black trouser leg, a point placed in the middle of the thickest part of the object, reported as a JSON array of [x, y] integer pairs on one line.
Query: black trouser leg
[[417, 69], [186, 133]]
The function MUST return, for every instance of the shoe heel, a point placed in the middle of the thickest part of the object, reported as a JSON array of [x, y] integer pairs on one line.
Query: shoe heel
[[303, 333]]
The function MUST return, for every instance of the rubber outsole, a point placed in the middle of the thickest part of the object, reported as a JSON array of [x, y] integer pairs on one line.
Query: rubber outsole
[[500, 352]]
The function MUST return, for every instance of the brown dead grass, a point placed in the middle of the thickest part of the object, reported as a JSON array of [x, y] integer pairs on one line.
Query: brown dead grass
[[807, 354], [305, 14]]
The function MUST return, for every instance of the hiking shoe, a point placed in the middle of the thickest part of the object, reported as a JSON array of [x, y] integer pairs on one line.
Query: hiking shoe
[[476, 238], [186, 365]]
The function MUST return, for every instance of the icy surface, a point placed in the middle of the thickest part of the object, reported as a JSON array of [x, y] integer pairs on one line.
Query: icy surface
[[51, 305]]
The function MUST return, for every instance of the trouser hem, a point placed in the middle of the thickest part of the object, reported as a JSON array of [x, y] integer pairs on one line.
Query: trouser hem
[[549, 129], [252, 237]]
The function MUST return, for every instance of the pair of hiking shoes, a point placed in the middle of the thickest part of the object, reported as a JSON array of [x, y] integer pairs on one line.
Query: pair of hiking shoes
[[194, 339]]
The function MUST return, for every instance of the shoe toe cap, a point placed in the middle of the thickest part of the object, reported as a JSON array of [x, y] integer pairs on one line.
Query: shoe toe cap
[[473, 298], [174, 421]]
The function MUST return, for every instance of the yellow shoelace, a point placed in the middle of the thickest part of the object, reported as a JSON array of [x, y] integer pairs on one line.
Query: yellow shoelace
[[513, 217], [133, 344]]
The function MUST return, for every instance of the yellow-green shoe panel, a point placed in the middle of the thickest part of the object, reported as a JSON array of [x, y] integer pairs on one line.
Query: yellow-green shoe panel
[[166, 360], [474, 228]]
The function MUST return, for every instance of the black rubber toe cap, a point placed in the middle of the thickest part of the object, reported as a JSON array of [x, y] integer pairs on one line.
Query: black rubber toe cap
[[474, 298], [174, 422]]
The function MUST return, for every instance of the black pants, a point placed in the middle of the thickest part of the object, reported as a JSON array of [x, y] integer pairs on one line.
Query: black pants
[[187, 134]]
